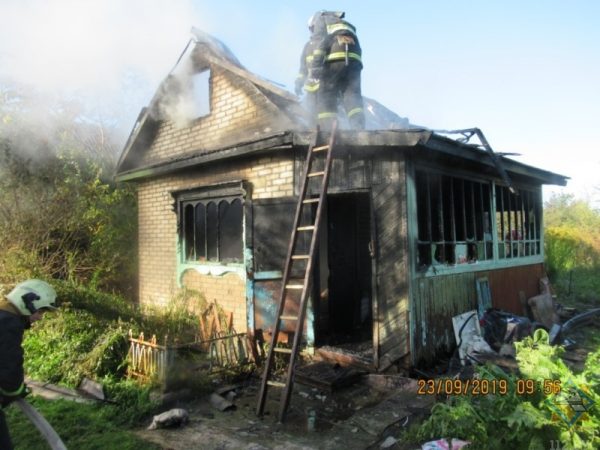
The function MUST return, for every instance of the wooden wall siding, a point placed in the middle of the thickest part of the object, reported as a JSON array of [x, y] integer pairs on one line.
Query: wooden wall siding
[[266, 296], [349, 171], [436, 301], [392, 319], [505, 285]]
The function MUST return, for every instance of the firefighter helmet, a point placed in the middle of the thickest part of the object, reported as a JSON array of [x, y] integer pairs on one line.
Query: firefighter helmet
[[31, 296], [312, 20], [328, 15]]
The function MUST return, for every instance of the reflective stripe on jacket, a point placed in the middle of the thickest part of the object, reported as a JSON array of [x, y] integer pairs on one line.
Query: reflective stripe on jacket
[[338, 43]]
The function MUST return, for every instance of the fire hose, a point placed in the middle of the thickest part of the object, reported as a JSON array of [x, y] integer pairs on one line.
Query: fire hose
[[41, 424]]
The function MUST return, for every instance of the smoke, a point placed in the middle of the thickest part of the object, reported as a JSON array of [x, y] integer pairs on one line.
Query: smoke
[[108, 54]]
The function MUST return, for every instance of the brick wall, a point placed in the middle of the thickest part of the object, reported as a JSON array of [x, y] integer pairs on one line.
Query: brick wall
[[269, 176], [236, 106]]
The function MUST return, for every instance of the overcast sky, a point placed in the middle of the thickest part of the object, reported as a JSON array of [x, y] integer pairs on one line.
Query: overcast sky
[[526, 72]]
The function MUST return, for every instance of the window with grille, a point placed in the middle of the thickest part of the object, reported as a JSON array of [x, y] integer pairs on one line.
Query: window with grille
[[212, 229], [463, 221]]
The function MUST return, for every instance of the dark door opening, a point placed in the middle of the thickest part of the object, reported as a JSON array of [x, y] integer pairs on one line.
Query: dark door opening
[[344, 314]]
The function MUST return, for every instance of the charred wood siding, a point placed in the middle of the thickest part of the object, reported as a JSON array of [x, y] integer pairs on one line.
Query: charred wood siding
[[389, 205], [437, 299], [272, 225], [350, 170]]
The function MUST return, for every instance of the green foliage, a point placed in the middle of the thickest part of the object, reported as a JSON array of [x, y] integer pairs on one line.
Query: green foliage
[[565, 210], [88, 336], [63, 218], [457, 418], [81, 426], [572, 247], [66, 346], [516, 420], [132, 401]]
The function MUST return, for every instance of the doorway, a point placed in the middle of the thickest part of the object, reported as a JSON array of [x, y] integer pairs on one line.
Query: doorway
[[344, 314]]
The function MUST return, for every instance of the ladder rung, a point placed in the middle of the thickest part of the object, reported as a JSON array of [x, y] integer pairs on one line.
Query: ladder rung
[[311, 200], [275, 383], [321, 148], [306, 228], [283, 350], [316, 174], [294, 286], [300, 256], [289, 317]]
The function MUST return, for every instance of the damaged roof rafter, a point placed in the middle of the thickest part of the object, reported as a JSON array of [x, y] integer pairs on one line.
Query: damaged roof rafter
[[476, 154]]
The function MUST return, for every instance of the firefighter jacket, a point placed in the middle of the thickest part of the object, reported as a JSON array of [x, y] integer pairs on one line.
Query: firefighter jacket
[[336, 41], [12, 327], [305, 78]]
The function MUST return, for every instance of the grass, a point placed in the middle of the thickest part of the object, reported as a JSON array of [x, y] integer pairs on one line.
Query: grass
[[81, 426], [579, 287]]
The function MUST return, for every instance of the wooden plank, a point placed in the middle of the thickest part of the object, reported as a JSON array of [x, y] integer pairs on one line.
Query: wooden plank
[[344, 359]]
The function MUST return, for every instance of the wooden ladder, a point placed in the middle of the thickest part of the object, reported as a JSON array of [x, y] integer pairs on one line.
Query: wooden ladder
[[286, 285]]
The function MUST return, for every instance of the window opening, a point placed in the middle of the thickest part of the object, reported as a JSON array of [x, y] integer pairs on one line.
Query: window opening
[[518, 220], [201, 93], [230, 230], [212, 230], [453, 218]]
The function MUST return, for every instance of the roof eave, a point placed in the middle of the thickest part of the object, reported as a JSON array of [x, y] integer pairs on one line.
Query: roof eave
[[278, 141], [472, 153]]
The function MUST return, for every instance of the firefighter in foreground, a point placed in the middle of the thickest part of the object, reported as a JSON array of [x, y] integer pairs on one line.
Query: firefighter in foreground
[[331, 67], [24, 305]]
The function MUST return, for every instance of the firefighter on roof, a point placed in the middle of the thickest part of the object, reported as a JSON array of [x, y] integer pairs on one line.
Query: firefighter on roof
[[336, 63]]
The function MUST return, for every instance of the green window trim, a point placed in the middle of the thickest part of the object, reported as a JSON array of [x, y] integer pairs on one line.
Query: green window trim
[[211, 225]]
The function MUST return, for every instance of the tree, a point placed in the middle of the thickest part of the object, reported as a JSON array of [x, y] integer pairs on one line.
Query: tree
[[61, 214]]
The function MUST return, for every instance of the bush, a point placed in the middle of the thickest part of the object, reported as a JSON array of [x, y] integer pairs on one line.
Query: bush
[[87, 337], [63, 218], [516, 420]]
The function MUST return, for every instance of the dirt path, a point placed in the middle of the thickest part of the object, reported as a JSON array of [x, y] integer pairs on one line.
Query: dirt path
[[358, 417]]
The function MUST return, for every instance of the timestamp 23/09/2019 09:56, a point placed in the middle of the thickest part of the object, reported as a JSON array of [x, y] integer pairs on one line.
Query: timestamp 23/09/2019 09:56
[[522, 386]]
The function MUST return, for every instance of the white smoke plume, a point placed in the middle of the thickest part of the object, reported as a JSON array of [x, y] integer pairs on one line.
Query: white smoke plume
[[93, 50]]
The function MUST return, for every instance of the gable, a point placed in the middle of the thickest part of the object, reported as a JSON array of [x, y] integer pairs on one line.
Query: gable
[[240, 107]]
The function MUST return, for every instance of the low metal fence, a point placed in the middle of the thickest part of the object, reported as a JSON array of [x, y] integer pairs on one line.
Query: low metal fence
[[148, 359]]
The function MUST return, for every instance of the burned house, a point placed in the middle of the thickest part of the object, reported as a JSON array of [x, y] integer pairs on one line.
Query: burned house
[[414, 220]]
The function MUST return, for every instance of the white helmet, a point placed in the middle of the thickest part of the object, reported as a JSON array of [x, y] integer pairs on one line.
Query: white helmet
[[32, 295], [312, 20]]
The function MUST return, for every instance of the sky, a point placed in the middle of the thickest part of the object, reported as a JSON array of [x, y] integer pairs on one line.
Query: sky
[[526, 72]]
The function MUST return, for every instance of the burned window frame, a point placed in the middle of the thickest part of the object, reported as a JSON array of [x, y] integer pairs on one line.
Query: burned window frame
[[207, 206], [519, 230], [466, 237]]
